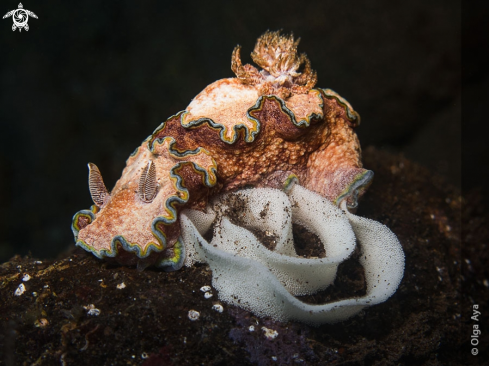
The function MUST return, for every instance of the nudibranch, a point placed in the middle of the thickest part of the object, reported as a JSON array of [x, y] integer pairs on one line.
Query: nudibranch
[[258, 152], [265, 127]]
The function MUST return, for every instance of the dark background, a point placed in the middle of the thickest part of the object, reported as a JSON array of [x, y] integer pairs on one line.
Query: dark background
[[89, 81]]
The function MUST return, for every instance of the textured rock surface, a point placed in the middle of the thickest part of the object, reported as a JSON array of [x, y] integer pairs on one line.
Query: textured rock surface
[[427, 321]]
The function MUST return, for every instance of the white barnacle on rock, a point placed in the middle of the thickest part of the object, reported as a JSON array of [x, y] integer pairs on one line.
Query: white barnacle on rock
[[92, 310], [193, 315], [269, 333], [265, 280], [20, 290]]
